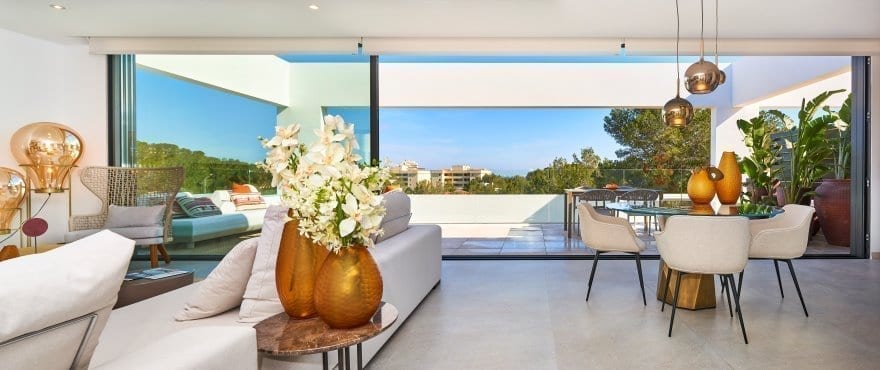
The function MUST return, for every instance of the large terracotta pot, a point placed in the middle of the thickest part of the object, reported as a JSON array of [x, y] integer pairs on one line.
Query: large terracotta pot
[[349, 288], [729, 187], [832, 204], [700, 188], [296, 270]]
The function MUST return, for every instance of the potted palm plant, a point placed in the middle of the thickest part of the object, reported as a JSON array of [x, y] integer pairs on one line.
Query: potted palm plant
[[807, 148], [832, 199], [760, 166]]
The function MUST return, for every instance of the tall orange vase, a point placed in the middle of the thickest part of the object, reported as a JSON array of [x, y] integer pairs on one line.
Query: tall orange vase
[[729, 188], [296, 271]]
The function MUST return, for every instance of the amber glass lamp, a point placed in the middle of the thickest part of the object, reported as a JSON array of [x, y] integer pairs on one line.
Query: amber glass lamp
[[13, 188], [47, 151]]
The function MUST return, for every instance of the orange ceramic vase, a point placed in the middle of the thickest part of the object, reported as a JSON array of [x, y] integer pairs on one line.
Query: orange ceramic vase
[[700, 188], [729, 188], [296, 270], [349, 288], [8, 252]]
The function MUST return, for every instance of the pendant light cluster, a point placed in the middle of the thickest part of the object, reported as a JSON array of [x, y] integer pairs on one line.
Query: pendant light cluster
[[702, 77], [677, 112]]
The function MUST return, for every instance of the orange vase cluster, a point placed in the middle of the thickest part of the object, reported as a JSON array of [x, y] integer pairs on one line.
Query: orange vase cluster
[[724, 181]]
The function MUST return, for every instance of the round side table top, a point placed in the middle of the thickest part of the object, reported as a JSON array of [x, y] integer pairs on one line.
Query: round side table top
[[281, 335]]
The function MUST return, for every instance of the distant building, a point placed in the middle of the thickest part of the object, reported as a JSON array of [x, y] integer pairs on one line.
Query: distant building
[[409, 174], [460, 175]]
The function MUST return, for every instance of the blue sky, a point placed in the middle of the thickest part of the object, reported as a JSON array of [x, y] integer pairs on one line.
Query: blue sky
[[197, 117], [505, 140]]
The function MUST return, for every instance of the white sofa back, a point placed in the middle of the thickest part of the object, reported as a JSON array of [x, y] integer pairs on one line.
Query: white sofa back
[[75, 285]]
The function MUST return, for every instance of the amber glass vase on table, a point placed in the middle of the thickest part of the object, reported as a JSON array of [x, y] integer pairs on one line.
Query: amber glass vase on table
[[336, 211]]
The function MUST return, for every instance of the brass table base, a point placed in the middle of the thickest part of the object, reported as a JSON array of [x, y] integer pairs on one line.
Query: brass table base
[[697, 290]]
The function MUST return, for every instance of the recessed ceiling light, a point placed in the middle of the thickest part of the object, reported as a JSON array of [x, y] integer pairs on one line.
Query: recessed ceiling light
[[57, 6], [314, 7]]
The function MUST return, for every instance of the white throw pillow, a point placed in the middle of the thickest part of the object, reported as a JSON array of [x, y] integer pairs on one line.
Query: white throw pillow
[[261, 298], [224, 287], [397, 214], [119, 216], [45, 289]]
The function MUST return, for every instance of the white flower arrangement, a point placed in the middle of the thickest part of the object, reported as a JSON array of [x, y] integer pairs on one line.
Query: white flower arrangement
[[332, 194]]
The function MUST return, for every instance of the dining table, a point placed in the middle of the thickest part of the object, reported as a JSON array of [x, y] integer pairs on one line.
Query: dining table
[[697, 290], [571, 199]]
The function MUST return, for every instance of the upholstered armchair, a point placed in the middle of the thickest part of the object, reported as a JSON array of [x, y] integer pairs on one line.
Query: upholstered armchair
[[782, 238], [704, 245], [132, 201], [609, 234]]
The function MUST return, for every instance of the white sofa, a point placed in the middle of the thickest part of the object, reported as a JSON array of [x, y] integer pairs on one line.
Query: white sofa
[[54, 306], [410, 267]]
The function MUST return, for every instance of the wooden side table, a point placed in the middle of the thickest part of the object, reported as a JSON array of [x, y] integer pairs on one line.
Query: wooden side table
[[134, 291], [281, 336]]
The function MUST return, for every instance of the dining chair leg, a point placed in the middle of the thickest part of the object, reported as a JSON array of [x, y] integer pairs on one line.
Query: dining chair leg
[[778, 279], [592, 273], [739, 285], [666, 288], [641, 281], [726, 292], [797, 287], [675, 302], [739, 314]]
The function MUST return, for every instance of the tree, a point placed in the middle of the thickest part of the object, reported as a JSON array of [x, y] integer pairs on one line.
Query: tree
[[658, 150], [562, 174]]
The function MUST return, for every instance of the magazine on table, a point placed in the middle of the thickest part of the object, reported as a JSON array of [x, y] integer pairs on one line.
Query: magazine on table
[[153, 274]]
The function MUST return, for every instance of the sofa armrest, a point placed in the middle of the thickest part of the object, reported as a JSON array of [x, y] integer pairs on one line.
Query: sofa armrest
[[205, 347]]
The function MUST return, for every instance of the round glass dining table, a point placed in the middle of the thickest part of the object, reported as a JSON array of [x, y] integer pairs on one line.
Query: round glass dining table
[[697, 290]]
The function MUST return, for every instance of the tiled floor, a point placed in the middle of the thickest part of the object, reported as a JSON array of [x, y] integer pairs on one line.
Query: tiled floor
[[550, 240], [532, 315]]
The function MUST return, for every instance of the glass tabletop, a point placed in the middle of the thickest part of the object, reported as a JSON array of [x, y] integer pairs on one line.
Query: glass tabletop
[[698, 210]]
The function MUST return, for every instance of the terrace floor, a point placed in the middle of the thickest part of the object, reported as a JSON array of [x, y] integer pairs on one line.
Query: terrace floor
[[552, 240]]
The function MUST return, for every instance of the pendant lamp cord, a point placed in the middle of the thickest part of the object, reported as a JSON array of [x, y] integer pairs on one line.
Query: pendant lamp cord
[[677, 36], [716, 32], [702, 40]]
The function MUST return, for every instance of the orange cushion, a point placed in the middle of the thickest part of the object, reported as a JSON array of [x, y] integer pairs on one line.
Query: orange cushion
[[240, 188]]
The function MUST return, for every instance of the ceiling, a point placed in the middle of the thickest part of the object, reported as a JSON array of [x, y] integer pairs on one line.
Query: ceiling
[[439, 18]]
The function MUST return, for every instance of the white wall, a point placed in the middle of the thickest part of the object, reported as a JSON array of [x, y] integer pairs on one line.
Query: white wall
[[529, 85], [262, 77], [317, 85], [43, 81], [760, 78], [480, 208]]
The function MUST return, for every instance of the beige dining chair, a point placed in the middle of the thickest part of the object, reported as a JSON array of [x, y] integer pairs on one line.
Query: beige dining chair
[[782, 238], [609, 234], [704, 245]]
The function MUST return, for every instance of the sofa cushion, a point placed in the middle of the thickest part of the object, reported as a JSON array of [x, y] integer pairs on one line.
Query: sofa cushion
[[198, 207], [62, 284], [397, 215], [224, 287], [260, 297], [140, 234], [247, 201], [119, 216]]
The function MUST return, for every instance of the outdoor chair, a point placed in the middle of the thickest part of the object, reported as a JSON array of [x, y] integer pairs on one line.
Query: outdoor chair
[[642, 198], [132, 193]]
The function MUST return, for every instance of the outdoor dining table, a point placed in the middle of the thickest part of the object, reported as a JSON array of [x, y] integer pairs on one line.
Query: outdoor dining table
[[697, 290], [571, 197]]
